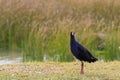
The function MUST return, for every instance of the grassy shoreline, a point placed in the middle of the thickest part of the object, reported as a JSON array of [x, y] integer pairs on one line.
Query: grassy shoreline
[[60, 71]]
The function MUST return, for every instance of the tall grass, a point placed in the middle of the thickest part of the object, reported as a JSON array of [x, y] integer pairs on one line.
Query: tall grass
[[41, 28]]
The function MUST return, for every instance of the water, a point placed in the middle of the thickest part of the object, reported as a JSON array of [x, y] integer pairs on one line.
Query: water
[[10, 57]]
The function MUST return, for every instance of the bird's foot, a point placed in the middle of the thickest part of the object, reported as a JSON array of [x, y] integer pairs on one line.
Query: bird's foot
[[81, 72]]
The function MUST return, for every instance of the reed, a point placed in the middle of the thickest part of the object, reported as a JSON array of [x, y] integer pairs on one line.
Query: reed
[[41, 28]]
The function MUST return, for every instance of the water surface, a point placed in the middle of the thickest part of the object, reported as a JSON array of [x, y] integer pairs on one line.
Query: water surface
[[10, 57]]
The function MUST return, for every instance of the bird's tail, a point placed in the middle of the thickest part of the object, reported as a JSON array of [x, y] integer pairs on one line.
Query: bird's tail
[[93, 59]]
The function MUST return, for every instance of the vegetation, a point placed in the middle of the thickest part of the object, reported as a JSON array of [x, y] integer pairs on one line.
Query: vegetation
[[40, 28], [60, 71]]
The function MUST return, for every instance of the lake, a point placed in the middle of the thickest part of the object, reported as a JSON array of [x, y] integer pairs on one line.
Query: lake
[[10, 57]]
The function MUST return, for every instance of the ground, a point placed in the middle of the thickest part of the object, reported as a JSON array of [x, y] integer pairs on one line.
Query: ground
[[60, 71]]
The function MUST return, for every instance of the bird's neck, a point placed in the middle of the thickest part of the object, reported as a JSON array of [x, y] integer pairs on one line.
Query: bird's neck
[[72, 38]]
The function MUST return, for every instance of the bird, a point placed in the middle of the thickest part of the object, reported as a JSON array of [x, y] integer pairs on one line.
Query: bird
[[80, 52]]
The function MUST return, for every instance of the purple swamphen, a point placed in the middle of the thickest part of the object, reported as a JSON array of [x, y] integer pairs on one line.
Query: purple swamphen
[[80, 52]]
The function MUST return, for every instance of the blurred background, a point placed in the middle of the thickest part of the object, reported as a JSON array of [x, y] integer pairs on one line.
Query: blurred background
[[39, 30]]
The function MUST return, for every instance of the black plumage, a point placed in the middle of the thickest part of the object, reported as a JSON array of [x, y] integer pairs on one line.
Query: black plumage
[[80, 52]]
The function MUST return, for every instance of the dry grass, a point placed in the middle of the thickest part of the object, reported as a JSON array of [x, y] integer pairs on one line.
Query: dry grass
[[60, 71]]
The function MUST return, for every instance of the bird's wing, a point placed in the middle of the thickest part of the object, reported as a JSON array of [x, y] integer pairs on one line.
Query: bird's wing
[[85, 54], [83, 49]]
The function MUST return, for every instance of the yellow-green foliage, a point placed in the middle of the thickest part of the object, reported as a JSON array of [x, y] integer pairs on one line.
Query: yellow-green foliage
[[60, 71], [42, 27]]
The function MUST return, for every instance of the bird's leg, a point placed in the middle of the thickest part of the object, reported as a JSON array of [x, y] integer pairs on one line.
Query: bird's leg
[[82, 68]]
